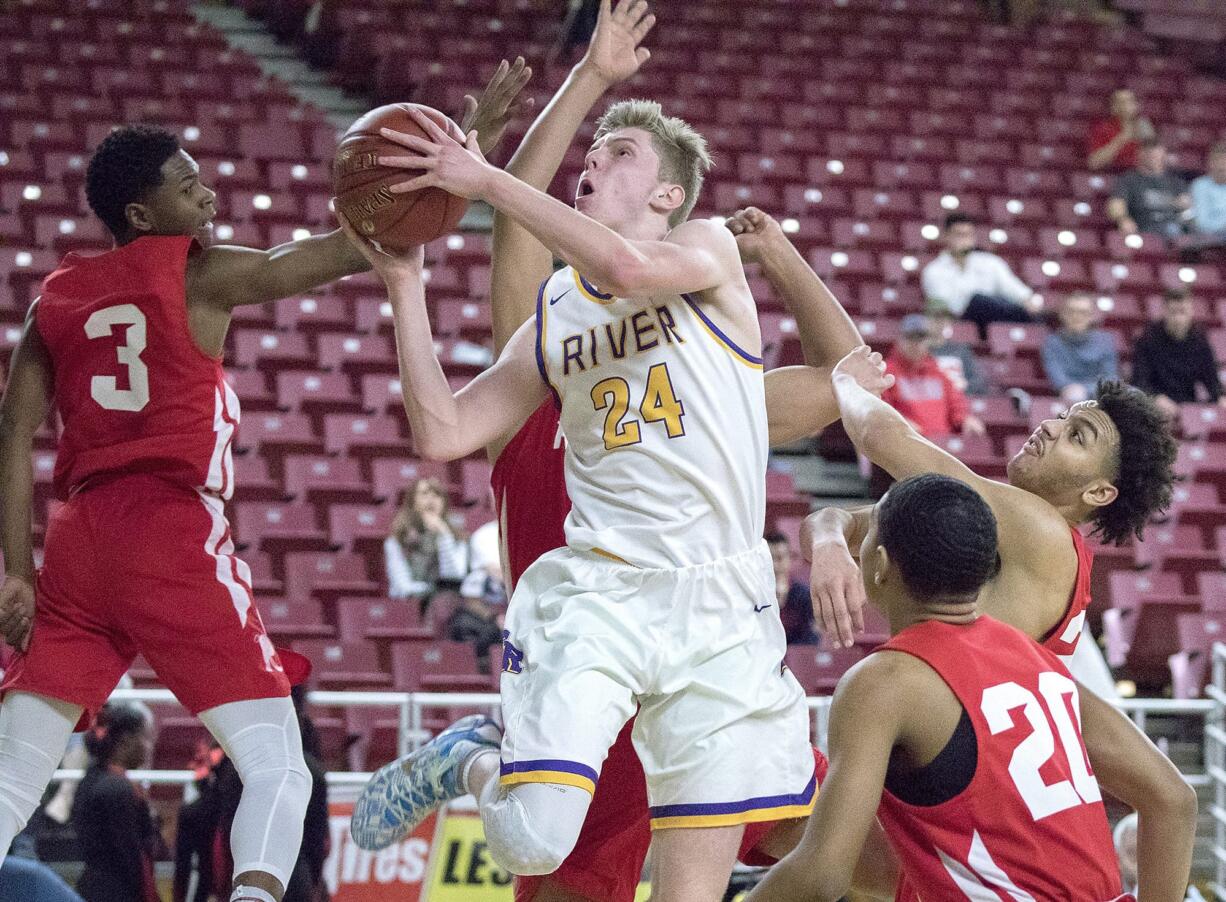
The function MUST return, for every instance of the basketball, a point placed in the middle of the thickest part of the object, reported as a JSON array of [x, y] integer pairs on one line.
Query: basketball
[[396, 221]]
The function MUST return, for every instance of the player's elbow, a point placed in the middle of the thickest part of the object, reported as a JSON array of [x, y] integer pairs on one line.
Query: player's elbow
[[1177, 799], [626, 273], [430, 447]]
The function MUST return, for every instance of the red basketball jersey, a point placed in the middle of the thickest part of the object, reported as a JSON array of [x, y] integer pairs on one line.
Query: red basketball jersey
[[529, 482], [134, 392], [1031, 824], [1062, 640]]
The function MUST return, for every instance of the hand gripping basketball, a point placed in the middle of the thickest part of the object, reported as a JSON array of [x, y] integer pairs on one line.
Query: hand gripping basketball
[[456, 168]]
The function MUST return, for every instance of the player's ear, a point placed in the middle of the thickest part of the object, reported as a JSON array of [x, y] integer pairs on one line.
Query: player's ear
[[878, 565], [667, 198], [1099, 493], [138, 217]]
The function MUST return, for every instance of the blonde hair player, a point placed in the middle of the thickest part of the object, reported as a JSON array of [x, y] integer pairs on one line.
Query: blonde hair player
[[663, 600]]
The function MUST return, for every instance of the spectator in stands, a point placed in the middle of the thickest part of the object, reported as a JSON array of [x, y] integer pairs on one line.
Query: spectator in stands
[[956, 357], [973, 284], [1112, 143], [33, 881], [1173, 356], [479, 617], [1209, 196], [1149, 198], [113, 822], [795, 603], [1077, 355], [921, 391], [425, 550]]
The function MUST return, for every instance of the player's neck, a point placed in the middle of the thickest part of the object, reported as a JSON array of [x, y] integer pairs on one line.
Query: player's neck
[[957, 613], [645, 228]]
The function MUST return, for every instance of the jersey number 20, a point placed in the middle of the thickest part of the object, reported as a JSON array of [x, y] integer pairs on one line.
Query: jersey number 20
[[1059, 696], [105, 389], [659, 405]]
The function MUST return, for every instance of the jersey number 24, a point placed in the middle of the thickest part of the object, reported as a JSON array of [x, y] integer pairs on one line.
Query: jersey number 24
[[659, 405]]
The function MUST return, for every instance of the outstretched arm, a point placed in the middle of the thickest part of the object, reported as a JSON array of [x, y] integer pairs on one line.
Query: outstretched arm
[[227, 277], [827, 333], [26, 403], [1132, 769], [520, 262], [447, 425]]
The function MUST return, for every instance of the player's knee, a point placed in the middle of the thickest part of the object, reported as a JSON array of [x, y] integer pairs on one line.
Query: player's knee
[[529, 839], [277, 766]]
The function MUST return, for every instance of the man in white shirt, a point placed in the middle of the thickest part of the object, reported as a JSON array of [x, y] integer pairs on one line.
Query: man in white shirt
[[976, 285]]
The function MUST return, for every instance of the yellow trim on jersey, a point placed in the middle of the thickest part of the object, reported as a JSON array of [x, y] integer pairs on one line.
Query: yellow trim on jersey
[[583, 290], [722, 342], [611, 556], [549, 776], [755, 816]]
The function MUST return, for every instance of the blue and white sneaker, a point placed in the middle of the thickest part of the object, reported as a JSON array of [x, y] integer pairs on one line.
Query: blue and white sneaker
[[404, 793]]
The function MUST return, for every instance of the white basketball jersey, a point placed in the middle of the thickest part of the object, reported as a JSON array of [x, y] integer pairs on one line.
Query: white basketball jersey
[[665, 425]]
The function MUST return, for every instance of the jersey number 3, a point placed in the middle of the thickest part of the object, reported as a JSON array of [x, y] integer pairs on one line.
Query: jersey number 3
[[1059, 697], [659, 405], [105, 389]]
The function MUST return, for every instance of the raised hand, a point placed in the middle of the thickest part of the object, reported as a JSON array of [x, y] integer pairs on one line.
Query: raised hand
[[457, 168], [16, 611], [390, 267], [500, 103], [614, 53], [756, 232], [867, 368]]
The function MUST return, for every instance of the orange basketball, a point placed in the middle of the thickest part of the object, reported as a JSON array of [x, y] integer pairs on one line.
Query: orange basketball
[[396, 221]]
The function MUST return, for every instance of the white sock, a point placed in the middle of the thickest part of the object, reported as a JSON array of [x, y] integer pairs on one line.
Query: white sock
[[251, 894]]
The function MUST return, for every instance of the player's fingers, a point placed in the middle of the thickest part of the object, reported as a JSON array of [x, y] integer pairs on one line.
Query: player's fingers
[[422, 181], [855, 603], [642, 55], [636, 10], [412, 142], [25, 640], [430, 127], [645, 25], [606, 10], [846, 634], [410, 162]]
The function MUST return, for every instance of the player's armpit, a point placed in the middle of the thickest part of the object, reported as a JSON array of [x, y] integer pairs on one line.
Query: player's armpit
[[1131, 768], [822, 866], [799, 403], [227, 277]]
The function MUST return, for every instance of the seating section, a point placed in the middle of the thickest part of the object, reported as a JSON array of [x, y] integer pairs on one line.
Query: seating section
[[859, 126]]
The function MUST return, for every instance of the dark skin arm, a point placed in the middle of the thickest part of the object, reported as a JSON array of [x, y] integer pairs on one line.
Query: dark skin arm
[[894, 687], [1039, 563], [1133, 770], [223, 277], [26, 404]]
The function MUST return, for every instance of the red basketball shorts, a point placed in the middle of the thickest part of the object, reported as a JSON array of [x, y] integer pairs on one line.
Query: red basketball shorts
[[136, 564], [607, 861]]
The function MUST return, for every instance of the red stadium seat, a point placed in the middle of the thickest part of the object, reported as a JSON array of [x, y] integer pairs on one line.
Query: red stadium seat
[[318, 478], [437, 666], [343, 665], [381, 619], [290, 620]]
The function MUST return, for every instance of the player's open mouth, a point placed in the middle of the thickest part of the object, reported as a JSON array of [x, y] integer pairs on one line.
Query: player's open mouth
[[1034, 445], [585, 189]]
